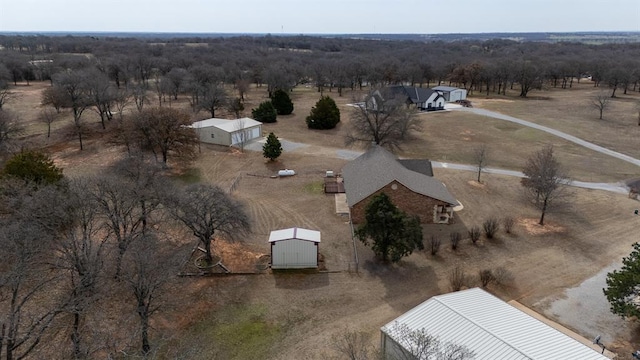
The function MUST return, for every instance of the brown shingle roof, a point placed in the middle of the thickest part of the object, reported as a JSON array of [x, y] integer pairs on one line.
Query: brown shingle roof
[[378, 167]]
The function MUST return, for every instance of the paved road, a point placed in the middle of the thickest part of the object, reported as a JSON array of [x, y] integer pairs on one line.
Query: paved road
[[549, 130]]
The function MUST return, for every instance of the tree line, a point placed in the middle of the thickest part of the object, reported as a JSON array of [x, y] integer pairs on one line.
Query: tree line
[[87, 261], [173, 67]]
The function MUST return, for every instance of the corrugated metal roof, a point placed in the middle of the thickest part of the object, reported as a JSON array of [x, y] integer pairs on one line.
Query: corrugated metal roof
[[378, 167], [295, 233], [491, 328], [226, 125]]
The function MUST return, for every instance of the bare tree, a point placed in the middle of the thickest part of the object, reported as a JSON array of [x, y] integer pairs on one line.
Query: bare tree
[[26, 284], [48, 116], [240, 133], [235, 106], [243, 86], [543, 180], [5, 93], [213, 97], [601, 101], [207, 210], [139, 93], [116, 201], [10, 128], [80, 253], [74, 87], [149, 265], [382, 119], [165, 130], [55, 97], [480, 158], [101, 95], [354, 345], [418, 344]]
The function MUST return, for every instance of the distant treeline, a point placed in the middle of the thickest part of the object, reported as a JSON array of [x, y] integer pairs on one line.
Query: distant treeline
[[282, 62]]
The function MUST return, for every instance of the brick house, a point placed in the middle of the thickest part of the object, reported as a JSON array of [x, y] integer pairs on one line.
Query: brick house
[[409, 184]]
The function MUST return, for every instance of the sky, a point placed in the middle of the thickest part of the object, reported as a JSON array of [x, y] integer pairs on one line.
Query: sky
[[319, 16]]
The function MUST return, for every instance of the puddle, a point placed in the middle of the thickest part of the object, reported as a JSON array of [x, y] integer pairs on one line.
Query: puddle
[[586, 310]]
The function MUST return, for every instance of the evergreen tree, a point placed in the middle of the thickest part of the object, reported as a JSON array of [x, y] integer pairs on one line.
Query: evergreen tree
[[325, 115], [272, 149], [282, 102], [32, 166], [265, 112], [390, 232], [623, 286]]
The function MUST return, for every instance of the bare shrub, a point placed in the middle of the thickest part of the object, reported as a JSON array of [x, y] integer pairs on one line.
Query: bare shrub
[[474, 234], [486, 277], [502, 276], [490, 226], [455, 240], [354, 345], [434, 244], [507, 224], [458, 279]]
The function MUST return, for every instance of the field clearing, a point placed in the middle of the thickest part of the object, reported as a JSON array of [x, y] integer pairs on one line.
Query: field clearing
[[294, 313], [570, 111]]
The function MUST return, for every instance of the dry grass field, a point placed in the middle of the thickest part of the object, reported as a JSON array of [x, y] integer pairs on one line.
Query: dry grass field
[[296, 315]]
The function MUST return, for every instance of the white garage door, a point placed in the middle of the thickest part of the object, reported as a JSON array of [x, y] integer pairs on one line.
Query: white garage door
[[248, 135]]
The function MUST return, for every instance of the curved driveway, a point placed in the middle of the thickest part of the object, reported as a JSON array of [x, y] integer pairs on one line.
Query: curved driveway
[[618, 187], [551, 131]]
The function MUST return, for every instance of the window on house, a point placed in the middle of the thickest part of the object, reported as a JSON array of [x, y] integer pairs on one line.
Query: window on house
[[213, 136]]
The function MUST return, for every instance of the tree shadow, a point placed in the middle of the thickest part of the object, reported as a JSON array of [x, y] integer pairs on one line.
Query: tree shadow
[[300, 279], [402, 279]]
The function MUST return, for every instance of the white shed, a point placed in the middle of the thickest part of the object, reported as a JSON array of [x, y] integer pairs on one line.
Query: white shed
[[227, 132], [486, 325], [294, 248], [452, 94]]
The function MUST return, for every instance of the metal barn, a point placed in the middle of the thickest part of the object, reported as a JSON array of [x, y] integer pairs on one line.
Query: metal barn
[[294, 248], [227, 132], [486, 325], [452, 94]]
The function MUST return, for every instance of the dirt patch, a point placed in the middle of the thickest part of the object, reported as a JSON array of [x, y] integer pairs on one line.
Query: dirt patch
[[477, 185], [533, 227]]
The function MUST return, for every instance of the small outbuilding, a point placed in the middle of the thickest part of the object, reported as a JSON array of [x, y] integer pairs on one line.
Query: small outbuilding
[[294, 248], [451, 94], [227, 132]]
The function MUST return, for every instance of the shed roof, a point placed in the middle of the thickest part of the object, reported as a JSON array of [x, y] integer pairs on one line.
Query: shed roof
[[226, 125], [491, 328], [378, 167], [445, 88], [295, 233]]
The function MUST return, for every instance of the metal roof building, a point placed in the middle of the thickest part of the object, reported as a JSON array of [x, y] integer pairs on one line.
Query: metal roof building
[[294, 248], [227, 132], [488, 326]]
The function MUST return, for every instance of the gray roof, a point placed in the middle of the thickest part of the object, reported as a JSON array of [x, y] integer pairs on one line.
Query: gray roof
[[491, 328], [377, 168], [445, 88], [422, 166], [415, 94]]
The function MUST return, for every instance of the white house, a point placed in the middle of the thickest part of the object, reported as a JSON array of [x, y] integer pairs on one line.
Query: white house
[[451, 94], [486, 325], [294, 248], [227, 132]]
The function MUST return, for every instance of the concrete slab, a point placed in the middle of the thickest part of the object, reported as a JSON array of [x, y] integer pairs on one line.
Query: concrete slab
[[341, 204]]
